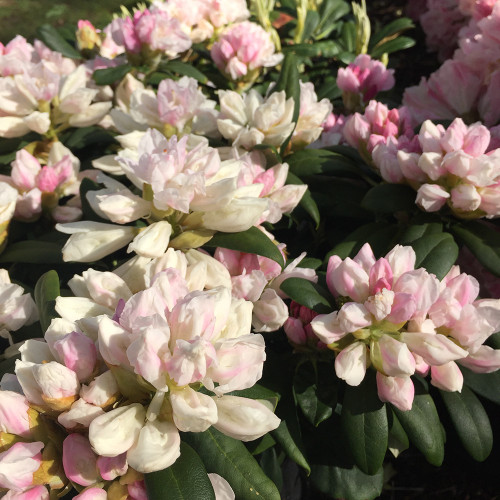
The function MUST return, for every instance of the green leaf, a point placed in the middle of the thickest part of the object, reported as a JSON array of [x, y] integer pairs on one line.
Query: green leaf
[[310, 24], [486, 385], [289, 82], [389, 30], [185, 69], [316, 393], [398, 439], [250, 241], [325, 48], [185, 479], [330, 11], [349, 36], [46, 291], [470, 421], [348, 484], [320, 161], [377, 234], [400, 43], [436, 253], [284, 438], [230, 459], [108, 76], [257, 391], [308, 294], [33, 252], [307, 202], [271, 466], [482, 241], [8, 365], [364, 421], [51, 37], [390, 198], [416, 231], [423, 428]]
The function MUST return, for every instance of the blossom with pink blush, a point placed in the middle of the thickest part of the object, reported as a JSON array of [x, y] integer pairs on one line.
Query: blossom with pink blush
[[365, 77], [79, 461], [243, 48], [92, 494], [398, 391], [18, 464], [36, 493], [14, 417]]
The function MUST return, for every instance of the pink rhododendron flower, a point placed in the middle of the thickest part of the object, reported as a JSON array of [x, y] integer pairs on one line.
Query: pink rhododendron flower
[[244, 48], [403, 320]]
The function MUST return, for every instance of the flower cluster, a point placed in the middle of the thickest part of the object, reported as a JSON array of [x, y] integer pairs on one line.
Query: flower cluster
[[402, 321]]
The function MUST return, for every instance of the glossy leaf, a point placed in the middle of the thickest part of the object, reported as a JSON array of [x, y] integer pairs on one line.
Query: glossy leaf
[[319, 161], [185, 479], [395, 45], [310, 24], [307, 202], [389, 30], [325, 48], [185, 69], [389, 198], [33, 252], [250, 241], [315, 390], [53, 39], [436, 253], [46, 291], [423, 428], [308, 294], [364, 421], [348, 484], [398, 439], [284, 438], [271, 466], [486, 385], [417, 231], [470, 421], [483, 242], [230, 459], [108, 76]]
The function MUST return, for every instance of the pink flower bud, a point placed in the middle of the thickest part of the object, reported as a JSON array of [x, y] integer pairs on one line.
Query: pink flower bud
[[398, 391], [18, 464], [447, 377], [351, 363], [79, 461], [14, 414]]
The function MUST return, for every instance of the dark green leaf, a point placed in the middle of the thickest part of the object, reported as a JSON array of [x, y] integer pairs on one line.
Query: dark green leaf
[[307, 202], [416, 231], [423, 428], [348, 484], [230, 459], [46, 291], [310, 24], [108, 76], [391, 29], [486, 385], [483, 242], [33, 252], [284, 438], [84, 137], [316, 393], [330, 11], [369, 233], [186, 69], [349, 36], [470, 421], [250, 241], [52, 38], [258, 446], [320, 161], [185, 479], [271, 466], [398, 439], [308, 294], [364, 421], [8, 365], [389, 198], [326, 48], [436, 253], [257, 391], [400, 43]]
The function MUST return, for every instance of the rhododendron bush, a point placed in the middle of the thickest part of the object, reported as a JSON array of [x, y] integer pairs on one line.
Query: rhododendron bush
[[239, 258]]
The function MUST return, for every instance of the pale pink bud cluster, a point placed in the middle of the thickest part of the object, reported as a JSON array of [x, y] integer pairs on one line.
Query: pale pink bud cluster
[[465, 85], [365, 77], [298, 326], [250, 119], [451, 167], [403, 321], [155, 30], [41, 186], [243, 49], [332, 134], [179, 107]]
